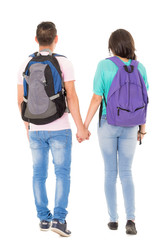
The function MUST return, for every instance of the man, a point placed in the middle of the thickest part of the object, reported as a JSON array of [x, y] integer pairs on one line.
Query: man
[[55, 136]]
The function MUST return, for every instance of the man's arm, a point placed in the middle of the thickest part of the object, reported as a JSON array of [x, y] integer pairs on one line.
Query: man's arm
[[20, 100], [73, 105]]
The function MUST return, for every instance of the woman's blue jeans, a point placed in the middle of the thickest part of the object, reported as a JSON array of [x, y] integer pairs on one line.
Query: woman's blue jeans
[[60, 143], [118, 146]]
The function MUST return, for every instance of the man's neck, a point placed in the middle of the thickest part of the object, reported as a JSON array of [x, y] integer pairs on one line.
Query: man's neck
[[46, 47]]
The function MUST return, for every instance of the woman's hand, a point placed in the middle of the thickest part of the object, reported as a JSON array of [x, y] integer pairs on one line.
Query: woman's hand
[[82, 134]]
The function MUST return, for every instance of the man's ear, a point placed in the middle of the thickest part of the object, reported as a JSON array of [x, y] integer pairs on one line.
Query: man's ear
[[36, 40], [56, 39]]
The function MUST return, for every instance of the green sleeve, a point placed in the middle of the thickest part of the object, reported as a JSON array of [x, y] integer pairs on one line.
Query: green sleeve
[[98, 86], [142, 70]]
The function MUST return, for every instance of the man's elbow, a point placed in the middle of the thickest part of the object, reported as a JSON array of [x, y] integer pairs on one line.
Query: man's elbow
[[19, 102], [71, 96]]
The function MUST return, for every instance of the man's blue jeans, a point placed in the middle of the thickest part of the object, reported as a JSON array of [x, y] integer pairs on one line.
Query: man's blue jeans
[[60, 144], [118, 147]]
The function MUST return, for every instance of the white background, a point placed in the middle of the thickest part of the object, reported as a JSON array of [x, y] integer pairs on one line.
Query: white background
[[84, 28]]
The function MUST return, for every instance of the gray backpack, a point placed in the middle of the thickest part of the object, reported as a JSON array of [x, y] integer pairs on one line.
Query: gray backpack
[[44, 94]]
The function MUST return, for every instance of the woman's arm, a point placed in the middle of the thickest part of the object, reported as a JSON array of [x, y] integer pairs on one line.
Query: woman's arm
[[95, 102]]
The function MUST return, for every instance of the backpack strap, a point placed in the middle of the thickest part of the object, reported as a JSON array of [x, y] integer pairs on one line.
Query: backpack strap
[[33, 54], [101, 109], [134, 63], [120, 63], [58, 55]]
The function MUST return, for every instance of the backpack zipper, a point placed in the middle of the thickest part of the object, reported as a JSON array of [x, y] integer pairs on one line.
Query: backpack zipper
[[119, 108], [139, 108]]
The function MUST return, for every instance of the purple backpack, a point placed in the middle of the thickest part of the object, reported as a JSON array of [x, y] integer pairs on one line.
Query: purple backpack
[[127, 97]]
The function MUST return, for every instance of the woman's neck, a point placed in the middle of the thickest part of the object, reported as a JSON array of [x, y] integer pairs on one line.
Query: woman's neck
[[123, 59]]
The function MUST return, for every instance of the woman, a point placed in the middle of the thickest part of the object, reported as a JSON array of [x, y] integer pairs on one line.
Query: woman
[[117, 143]]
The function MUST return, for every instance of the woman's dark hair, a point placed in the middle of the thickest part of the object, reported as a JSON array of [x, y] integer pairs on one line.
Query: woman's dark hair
[[46, 33], [121, 43]]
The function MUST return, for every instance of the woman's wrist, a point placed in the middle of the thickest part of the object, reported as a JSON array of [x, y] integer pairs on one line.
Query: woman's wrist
[[143, 133], [142, 128], [86, 125]]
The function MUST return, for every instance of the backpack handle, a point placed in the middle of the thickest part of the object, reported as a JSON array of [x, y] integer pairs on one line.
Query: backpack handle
[[45, 50], [129, 69]]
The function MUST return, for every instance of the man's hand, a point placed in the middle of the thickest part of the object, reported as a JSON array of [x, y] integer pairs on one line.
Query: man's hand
[[82, 134]]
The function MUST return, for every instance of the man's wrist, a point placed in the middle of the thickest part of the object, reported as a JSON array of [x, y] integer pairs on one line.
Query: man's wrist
[[80, 128]]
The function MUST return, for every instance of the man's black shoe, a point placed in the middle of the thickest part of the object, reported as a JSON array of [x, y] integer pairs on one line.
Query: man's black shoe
[[113, 225], [60, 228], [44, 225], [130, 228]]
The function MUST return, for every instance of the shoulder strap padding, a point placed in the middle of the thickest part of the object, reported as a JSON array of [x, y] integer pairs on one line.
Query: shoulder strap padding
[[58, 55], [120, 63], [117, 61]]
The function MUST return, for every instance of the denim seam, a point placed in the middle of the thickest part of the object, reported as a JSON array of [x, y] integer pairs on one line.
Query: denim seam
[[37, 135], [68, 136]]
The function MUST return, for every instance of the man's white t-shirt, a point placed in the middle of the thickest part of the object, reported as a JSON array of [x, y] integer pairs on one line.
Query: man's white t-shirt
[[67, 75]]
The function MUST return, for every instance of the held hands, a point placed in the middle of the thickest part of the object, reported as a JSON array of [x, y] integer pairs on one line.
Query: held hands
[[82, 134]]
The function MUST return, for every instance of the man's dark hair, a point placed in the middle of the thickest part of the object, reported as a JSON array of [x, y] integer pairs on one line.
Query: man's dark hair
[[46, 33], [121, 43]]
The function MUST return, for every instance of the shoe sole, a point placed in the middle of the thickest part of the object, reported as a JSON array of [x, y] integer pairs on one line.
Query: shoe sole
[[130, 233], [56, 230], [44, 230], [113, 228]]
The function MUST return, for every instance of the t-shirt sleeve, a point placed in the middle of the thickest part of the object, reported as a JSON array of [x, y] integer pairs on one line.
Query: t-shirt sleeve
[[98, 86], [142, 70], [20, 72], [67, 69]]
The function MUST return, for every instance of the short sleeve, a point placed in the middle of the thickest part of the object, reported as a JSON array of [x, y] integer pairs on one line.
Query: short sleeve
[[66, 68], [142, 70], [98, 86], [21, 70]]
